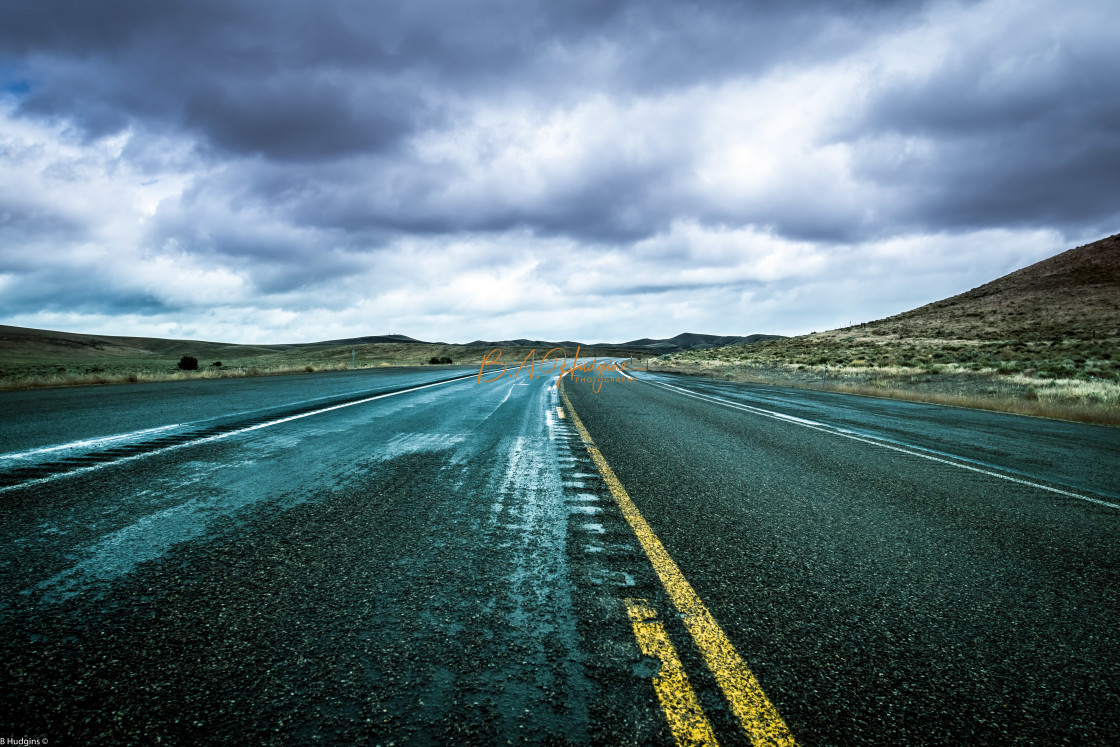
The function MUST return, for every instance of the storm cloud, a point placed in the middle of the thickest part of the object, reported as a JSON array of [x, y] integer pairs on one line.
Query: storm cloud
[[288, 171]]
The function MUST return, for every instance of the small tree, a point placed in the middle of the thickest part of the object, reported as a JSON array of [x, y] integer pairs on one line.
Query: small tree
[[433, 361], [216, 364], [445, 360], [188, 363]]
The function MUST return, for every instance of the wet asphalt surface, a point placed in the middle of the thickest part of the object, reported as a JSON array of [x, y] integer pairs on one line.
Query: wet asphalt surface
[[444, 566], [878, 596]]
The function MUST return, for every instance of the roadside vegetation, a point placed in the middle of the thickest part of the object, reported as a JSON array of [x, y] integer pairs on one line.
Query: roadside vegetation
[[87, 366], [1068, 380], [35, 371], [99, 375]]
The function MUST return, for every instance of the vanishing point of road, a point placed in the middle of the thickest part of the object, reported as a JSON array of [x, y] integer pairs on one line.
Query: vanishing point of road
[[416, 557]]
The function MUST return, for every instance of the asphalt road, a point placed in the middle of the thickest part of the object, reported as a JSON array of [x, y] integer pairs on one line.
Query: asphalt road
[[413, 558]]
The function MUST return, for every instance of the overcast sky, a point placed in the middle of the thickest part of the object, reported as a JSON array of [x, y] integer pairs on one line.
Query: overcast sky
[[450, 169]]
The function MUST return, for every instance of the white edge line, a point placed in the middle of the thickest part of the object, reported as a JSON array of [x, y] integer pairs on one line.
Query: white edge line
[[83, 470], [96, 441], [871, 440]]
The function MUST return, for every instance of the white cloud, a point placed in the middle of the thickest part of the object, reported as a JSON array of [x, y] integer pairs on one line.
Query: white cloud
[[794, 193]]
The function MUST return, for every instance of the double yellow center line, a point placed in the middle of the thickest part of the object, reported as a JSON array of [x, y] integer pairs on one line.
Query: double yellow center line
[[757, 716], [678, 700]]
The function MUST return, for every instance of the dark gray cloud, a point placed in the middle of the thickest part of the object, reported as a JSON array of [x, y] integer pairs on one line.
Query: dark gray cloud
[[1026, 133], [22, 223], [292, 81], [52, 289]]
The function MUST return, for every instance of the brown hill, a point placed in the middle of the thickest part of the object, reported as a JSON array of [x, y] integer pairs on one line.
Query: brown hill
[[26, 342], [1073, 295], [1058, 318]]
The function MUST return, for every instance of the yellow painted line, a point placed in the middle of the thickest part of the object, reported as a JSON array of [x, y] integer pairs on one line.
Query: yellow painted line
[[560, 412], [757, 715], [678, 700]]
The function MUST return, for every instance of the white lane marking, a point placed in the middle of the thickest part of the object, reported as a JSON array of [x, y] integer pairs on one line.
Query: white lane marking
[[914, 451], [219, 436], [509, 392], [90, 442], [101, 441]]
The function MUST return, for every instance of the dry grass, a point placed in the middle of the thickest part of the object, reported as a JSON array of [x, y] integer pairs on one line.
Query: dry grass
[[1084, 358], [54, 370], [34, 369], [1072, 295], [1094, 401], [91, 379]]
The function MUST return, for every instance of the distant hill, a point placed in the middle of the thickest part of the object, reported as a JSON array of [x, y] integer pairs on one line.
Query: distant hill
[[524, 343], [693, 341], [45, 342], [375, 339], [41, 343], [67, 357], [649, 346], [1072, 295]]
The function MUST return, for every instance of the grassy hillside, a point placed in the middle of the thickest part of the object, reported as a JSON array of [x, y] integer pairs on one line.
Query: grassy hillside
[[1042, 340]]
